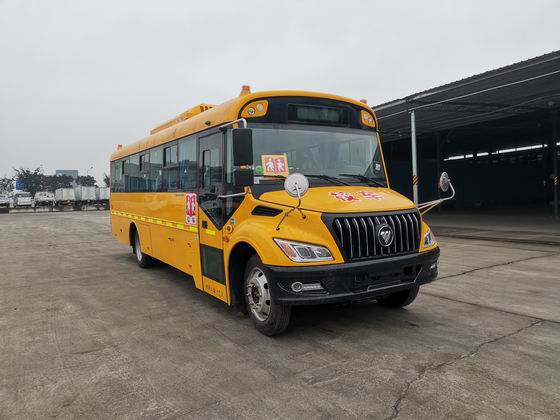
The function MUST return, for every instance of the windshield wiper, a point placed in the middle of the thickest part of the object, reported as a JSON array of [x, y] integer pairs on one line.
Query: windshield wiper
[[327, 178], [364, 178], [271, 176]]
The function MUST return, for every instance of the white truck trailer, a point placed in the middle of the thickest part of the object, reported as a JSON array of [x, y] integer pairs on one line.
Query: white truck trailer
[[102, 195], [64, 196], [84, 194]]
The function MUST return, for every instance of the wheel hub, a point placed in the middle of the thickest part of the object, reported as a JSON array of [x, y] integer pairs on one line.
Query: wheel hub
[[258, 294]]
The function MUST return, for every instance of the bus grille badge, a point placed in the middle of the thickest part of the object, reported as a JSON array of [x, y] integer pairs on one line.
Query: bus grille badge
[[385, 235]]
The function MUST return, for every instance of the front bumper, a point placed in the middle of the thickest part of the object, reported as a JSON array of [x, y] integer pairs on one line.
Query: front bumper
[[353, 281]]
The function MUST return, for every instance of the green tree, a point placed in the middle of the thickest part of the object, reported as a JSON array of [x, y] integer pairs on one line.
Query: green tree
[[53, 182], [107, 180], [87, 181], [32, 180], [6, 185]]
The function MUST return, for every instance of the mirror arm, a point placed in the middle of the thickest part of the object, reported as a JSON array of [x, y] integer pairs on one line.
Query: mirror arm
[[223, 127], [426, 207], [303, 216]]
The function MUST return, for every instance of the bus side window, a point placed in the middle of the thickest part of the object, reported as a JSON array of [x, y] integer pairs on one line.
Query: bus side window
[[133, 173], [117, 176], [126, 175], [170, 169], [144, 175], [156, 167], [187, 164]]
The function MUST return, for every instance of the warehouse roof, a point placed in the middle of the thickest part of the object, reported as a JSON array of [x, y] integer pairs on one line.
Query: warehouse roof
[[519, 88]]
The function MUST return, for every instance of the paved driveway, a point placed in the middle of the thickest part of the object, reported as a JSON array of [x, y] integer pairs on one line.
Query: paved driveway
[[85, 333]]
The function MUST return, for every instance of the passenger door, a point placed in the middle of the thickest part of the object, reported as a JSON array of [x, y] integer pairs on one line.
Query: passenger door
[[211, 214]]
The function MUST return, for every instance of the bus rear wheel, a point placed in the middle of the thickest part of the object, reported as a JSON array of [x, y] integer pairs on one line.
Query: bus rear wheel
[[143, 260], [270, 318], [399, 299]]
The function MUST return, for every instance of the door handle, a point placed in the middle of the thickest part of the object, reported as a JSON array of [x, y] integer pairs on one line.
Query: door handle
[[205, 224]]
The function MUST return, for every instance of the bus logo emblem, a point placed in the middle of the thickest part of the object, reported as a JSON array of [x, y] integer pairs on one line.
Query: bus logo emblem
[[385, 235]]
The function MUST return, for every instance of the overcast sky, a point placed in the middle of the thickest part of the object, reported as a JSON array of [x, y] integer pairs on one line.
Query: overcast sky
[[78, 77]]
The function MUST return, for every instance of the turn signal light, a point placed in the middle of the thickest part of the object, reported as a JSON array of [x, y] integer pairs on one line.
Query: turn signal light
[[367, 119]]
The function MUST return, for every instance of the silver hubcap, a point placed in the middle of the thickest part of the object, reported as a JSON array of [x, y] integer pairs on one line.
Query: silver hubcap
[[258, 294], [137, 247]]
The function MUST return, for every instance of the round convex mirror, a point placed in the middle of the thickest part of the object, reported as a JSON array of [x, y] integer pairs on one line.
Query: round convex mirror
[[296, 182], [444, 181]]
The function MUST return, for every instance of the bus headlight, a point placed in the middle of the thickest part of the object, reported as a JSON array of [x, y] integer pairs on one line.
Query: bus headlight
[[300, 252], [429, 239]]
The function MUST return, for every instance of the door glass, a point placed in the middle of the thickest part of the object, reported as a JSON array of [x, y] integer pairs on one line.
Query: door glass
[[212, 175], [211, 166]]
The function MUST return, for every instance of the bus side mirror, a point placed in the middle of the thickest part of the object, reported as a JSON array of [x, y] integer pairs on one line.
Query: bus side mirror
[[243, 178], [444, 182], [242, 141]]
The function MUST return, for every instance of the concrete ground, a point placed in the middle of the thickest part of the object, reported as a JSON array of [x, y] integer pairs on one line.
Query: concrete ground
[[507, 225], [85, 333]]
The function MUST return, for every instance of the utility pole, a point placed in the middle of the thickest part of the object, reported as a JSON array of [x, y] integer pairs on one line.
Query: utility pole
[[414, 157]]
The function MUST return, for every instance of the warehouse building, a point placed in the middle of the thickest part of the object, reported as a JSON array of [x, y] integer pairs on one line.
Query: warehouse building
[[496, 133]]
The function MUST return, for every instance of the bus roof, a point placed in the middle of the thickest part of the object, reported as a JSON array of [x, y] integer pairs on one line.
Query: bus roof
[[204, 116]]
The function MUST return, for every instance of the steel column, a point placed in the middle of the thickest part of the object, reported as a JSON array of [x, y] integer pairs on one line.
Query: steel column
[[554, 152], [414, 157]]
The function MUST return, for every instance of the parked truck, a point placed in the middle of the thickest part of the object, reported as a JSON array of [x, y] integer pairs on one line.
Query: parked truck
[[64, 196], [43, 199], [84, 194]]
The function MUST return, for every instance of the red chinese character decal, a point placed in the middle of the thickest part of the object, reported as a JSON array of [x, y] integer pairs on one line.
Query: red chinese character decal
[[370, 195], [190, 209], [344, 196]]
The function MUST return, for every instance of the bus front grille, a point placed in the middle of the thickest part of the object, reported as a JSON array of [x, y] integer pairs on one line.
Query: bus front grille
[[358, 235]]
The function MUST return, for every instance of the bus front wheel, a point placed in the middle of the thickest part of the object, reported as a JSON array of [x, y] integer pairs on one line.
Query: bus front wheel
[[270, 318], [143, 260]]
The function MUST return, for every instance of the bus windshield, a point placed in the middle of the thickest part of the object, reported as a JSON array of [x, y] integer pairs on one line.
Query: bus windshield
[[352, 155]]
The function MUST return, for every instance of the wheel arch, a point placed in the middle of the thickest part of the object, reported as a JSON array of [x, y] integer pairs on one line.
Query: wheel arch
[[132, 229], [237, 262]]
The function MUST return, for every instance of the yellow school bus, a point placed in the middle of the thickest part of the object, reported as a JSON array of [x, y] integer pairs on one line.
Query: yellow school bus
[[271, 200]]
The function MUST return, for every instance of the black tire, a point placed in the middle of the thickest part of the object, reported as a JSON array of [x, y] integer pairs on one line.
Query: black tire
[[399, 299], [277, 316], [143, 260]]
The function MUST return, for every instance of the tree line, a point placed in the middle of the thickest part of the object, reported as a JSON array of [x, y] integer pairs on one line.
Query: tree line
[[34, 180]]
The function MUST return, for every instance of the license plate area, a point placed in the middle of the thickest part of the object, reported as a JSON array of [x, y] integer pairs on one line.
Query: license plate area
[[372, 281]]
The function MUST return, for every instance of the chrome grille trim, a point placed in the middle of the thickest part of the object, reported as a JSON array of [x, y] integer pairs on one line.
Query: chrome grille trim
[[356, 233]]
